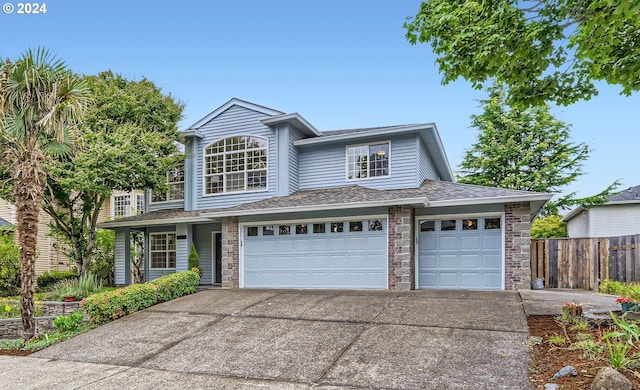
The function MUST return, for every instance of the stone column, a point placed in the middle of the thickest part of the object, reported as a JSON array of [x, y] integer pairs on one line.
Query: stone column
[[401, 255], [230, 252], [517, 246]]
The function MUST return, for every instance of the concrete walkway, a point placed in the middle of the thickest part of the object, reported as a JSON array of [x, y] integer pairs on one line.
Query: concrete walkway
[[550, 301], [290, 339]]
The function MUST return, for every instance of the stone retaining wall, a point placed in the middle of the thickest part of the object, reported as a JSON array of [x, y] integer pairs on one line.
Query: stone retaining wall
[[11, 328]]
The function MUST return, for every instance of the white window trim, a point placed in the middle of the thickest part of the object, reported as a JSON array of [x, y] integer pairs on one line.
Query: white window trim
[[151, 268], [346, 162], [184, 183], [204, 176]]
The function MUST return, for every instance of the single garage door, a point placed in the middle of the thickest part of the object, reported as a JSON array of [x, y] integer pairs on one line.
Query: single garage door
[[460, 253], [325, 254]]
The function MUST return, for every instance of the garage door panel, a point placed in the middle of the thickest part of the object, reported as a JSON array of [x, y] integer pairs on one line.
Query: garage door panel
[[470, 261], [460, 259], [448, 243], [346, 259], [470, 242], [448, 261]]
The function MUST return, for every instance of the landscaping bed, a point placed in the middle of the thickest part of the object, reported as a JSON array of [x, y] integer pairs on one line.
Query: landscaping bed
[[548, 355]]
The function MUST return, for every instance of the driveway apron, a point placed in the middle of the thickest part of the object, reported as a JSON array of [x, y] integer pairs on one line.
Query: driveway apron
[[320, 339]]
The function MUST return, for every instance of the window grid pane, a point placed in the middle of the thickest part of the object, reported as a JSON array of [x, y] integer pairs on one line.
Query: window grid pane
[[163, 250], [121, 206], [364, 161], [238, 162]]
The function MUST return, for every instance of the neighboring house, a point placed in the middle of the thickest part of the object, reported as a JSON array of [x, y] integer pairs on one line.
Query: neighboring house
[[620, 216], [269, 201], [49, 255]]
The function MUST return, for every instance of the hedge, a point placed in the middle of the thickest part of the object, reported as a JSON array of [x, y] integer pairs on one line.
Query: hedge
[[176, 285], [111, 305], [50, 278]]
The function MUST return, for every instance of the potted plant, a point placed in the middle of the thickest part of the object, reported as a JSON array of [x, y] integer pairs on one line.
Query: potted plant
[[571, 310], [627, 304]]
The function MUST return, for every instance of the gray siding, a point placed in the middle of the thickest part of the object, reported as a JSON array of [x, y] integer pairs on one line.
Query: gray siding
[[235, 121], [426, 166], [120, 256], [176, 204], [294, 160], [325, 166], [202, 239]]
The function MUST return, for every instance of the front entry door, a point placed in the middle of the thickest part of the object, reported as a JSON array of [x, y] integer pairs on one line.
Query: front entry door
[[216, 247]]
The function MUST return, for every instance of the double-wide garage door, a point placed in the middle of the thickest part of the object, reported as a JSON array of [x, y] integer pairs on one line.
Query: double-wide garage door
[[323, 254], [460, 253]]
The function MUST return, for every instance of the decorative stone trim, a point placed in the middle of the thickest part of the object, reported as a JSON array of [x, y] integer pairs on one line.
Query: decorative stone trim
[[517, 246], [230, 252], [11, 328], [401, 235]]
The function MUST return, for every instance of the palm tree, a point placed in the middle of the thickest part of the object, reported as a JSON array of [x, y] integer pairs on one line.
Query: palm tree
[[41, 101]]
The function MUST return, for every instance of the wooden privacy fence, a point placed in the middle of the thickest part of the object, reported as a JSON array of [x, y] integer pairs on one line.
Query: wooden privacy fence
[[584, 262]]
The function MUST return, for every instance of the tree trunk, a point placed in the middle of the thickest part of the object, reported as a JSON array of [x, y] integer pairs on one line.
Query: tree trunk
[[28, 192]]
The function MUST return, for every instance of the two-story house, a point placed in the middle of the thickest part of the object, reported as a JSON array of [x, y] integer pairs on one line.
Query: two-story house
[[271, 202]]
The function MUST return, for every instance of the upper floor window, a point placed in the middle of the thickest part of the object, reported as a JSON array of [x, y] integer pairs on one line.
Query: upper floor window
[[124, 206], [175, 185], [368, 160], [235, 164], [121, 206]]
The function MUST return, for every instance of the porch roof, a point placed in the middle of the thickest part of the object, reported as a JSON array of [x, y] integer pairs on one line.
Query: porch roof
[[432, 193]]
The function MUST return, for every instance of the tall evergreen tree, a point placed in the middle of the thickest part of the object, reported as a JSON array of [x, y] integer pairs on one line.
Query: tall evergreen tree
[[525, 149]]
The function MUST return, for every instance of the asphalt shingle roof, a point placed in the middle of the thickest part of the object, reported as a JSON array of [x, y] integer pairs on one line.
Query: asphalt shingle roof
[[431, 190], [379, 128], [630, 194]]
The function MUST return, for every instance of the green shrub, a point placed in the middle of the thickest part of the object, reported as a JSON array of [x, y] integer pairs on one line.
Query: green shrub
[[612, 287], [176, 285], [9, 267], [48, 279], [110, 305], [88, 284], [69, 323]]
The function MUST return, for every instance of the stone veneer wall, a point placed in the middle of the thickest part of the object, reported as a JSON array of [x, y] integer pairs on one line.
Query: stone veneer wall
[[12, 327], [517, 246], [230, 252], [401, 248]]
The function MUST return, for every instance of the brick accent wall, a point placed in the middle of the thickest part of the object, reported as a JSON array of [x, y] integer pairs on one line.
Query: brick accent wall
[[230, 252], [517, 246], [401, 248]]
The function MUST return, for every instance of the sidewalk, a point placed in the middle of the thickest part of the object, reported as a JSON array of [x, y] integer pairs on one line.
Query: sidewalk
[[549, 301]]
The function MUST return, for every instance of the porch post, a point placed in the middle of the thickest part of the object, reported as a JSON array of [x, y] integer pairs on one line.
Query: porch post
[[122, 254]]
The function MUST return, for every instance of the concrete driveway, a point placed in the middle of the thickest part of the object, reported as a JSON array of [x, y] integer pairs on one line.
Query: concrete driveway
[[295, 339]]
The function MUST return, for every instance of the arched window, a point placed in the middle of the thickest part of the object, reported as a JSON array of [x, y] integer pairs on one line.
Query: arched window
[[235, 164]]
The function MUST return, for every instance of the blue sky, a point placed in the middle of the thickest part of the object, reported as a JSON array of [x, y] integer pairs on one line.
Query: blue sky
[[340, 64]]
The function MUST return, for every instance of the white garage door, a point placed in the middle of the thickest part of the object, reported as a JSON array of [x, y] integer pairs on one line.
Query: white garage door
[[342, 254], [460, 253]]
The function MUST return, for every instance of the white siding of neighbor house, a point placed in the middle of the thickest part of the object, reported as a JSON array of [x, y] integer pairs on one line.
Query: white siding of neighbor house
[[578, 226], [614, 220], [235, 121], [324, 166]]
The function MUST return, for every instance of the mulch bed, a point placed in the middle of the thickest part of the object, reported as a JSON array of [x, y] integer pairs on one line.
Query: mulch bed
[[548, 359]]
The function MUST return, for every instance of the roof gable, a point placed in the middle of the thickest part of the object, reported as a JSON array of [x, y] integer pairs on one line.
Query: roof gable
[[229, 104]]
